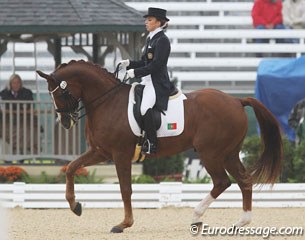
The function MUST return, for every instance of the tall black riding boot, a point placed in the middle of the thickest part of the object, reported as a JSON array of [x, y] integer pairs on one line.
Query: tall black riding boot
[[150, 145]]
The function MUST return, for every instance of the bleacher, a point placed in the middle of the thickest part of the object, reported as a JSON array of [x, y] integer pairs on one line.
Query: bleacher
[[25, 58], [212, 43], [212, 46]]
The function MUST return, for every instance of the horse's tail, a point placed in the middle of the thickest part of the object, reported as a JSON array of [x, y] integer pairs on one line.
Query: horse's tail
[[268, 167]]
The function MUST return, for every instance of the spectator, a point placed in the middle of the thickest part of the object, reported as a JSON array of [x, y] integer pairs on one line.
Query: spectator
[[20, 119], [267, 14], [16, 91], [294, 13]]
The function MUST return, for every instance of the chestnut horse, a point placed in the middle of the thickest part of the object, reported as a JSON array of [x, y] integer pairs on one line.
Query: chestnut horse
[[215, 126]]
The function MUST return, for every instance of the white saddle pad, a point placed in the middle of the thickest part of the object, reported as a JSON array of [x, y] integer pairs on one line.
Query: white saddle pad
[[172, 123]]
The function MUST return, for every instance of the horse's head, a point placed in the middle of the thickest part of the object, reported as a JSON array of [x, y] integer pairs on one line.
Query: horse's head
[[65, 98]]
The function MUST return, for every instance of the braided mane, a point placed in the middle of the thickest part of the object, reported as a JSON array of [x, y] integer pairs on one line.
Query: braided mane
[[97, 67]]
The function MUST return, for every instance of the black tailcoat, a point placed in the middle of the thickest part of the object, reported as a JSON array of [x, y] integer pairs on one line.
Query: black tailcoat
[[154, 62]]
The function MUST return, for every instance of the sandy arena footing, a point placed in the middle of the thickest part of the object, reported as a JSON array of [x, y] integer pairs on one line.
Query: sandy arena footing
[[150, 224]]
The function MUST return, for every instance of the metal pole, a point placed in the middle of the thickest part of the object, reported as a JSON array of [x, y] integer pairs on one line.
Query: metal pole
[[14, 67], [57, 52], [95, 48], [36, 75]]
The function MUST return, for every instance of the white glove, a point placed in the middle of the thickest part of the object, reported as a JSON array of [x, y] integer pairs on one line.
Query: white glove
[[130, 73], [124, 63]]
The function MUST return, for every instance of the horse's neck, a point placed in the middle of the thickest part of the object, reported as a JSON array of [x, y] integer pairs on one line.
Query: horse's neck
[[96, 88]]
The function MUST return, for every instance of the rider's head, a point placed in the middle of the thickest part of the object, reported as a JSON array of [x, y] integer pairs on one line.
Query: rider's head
[[156, 17]]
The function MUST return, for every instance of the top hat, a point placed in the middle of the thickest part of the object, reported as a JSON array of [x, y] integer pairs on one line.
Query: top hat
[[156, 12]]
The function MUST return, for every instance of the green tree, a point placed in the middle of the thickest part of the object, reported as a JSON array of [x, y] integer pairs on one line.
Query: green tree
[[164, 166], [252, 149], [288, 156], [298, 173]]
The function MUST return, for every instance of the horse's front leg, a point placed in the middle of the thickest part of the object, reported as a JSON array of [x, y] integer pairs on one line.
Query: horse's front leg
[[123, 168], [88, 158]]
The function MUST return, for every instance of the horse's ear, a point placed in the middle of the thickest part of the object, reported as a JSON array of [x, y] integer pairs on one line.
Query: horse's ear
[[43, 75]]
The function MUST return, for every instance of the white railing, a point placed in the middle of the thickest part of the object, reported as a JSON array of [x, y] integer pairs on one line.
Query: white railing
[[25, 58], [28, 130], [209, 40], [146, 195], [221, 8], [202, 15], [212, 44]]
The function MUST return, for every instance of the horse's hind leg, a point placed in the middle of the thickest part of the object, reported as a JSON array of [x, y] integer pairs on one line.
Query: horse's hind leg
[[238, 171], [123, 169], [221, 182]]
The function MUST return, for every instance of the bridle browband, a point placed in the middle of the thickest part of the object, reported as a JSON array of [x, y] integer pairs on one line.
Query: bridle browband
[[74, 110]]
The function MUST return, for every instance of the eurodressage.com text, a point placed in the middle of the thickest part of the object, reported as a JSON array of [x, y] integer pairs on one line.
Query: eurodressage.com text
[[265, 232]]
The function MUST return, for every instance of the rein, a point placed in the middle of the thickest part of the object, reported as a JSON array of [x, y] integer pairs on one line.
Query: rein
[[99, 97]]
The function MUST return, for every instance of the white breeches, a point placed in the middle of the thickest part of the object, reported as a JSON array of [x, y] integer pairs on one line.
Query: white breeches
[[149, 95]]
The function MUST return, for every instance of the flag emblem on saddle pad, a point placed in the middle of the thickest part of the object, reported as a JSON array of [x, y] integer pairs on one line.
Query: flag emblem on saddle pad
[[171, 126]]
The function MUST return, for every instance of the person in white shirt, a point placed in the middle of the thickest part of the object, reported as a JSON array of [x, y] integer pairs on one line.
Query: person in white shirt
[[294, 13]]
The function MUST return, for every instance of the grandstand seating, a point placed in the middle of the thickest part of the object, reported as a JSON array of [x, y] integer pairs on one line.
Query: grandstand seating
[[212, 46], [25, 58], [212, 43]]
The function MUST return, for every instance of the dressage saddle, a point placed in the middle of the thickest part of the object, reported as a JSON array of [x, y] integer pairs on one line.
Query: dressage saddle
[[138, 95]]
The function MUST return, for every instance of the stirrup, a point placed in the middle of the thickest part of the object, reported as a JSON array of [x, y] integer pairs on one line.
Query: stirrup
[[148, 147]]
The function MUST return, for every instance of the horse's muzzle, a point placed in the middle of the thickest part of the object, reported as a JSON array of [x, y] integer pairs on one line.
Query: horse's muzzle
[[67, 121]]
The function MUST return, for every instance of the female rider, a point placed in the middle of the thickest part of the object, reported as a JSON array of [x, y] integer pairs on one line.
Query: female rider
[[152, 68]]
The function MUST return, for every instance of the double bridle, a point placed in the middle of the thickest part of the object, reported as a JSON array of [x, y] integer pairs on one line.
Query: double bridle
[[65, 95], [72, 108]]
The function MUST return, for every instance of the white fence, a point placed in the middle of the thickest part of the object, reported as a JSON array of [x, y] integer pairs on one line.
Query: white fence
[[146, 195]]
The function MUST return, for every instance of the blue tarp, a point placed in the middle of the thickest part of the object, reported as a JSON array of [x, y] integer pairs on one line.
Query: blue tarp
[[280, 84]]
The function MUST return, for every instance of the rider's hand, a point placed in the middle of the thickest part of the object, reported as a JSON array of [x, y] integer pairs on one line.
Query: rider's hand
[[124, 63], [130, 73]]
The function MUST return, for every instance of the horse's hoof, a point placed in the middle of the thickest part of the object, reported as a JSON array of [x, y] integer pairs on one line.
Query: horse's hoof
[[78, 209], [116, 230]]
